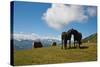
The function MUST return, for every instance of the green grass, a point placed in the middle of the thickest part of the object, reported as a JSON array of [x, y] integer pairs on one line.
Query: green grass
[[92, 38], [51, 55]]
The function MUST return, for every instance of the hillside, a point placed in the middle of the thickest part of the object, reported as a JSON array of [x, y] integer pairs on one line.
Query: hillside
[[52, 55], [92, 38]]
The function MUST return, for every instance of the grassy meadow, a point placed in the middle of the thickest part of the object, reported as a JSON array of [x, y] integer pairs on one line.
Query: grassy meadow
[[54, 54]]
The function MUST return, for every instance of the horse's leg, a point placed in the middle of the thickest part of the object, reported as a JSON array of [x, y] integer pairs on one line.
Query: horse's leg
[[65, 44], [62, 45], [69, 43], [74, 44], [79, 43]]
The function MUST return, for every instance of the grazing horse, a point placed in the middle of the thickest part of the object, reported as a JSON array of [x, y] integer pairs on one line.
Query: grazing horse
[[65, 36], [77, 36], [54, 44], [37, 44]]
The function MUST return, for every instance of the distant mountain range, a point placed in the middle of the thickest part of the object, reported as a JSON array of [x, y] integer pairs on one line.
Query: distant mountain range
[[20, 44], [23, 44], [25, 40], [27, 44], [92, 38]]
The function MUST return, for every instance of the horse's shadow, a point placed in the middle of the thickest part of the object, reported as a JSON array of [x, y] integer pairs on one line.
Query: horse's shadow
[[81, 47], [84, 47]]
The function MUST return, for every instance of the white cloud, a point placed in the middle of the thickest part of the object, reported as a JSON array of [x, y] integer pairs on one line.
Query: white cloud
[[92, 11], [32, 36], [51, 37], [59, 15], [25, 36]]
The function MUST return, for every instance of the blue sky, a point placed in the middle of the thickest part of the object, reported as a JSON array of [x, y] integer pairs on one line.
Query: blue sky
[[28, 18]]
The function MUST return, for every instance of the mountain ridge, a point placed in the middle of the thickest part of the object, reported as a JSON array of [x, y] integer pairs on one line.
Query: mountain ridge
[[91, 38]]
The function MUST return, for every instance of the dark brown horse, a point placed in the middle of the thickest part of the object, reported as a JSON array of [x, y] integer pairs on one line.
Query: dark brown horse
[[37, 44], [77, 36], [54, 44], [66, 36]]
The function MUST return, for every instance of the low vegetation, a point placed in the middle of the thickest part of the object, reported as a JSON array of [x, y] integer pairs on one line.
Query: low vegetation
[[92, 38], [54, 54]]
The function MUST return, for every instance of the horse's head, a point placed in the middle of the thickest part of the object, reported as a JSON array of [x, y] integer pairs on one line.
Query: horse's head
[[71, 31]]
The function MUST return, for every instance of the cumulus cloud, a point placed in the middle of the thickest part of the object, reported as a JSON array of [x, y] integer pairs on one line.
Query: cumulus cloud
[[59, 15]]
